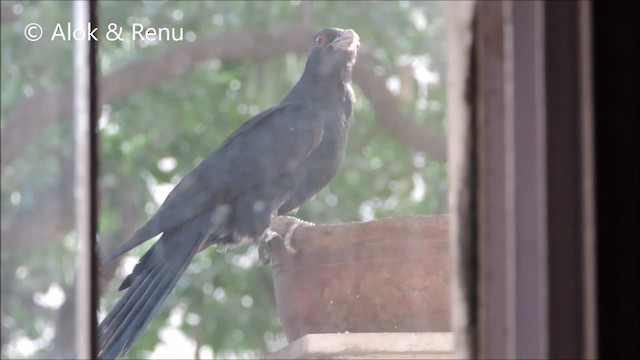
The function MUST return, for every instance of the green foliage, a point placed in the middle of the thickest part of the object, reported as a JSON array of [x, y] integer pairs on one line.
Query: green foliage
[[179, 122]]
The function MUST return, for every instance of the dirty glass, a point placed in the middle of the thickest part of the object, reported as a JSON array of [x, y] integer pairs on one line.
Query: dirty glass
[[177, 79], [38, 239]]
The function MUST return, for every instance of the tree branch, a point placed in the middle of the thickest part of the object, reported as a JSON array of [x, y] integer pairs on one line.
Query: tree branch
[[7, 15], [30, 116], [391, 118], [27, 119]]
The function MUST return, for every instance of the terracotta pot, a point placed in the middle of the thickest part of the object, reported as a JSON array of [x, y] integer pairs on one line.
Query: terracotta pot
[[390, 275]]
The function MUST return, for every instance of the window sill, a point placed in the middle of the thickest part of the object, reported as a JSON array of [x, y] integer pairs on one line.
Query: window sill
[[432, 345]]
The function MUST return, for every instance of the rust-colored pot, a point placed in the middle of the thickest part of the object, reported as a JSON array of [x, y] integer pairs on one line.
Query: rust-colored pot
[[390, 275]]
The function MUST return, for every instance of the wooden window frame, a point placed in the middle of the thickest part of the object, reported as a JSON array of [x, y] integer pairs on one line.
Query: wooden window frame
[[525, 228], [533, 183], [86, 180]]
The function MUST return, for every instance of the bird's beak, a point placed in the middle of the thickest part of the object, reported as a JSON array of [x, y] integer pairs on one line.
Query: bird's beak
[[348, 40]]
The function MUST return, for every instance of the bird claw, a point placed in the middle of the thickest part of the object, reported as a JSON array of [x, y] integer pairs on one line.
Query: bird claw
[[264, 255], [288, 237], [286, 225], [264, 246]]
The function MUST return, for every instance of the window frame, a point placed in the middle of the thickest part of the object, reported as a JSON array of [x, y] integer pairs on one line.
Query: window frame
[[521, 67], [86, 160], [536, 260]]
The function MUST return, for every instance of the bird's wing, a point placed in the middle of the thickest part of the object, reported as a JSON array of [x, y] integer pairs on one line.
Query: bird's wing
[[269, 144]]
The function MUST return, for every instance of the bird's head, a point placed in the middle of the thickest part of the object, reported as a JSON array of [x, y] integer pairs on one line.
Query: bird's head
[[334, 51]]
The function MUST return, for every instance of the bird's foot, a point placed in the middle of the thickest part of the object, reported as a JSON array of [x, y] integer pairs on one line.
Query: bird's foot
[[264, 246], [282, 227], [287, 238], [288, 225]]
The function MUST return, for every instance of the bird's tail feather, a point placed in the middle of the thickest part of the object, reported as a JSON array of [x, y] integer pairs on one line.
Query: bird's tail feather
[[149, 284]]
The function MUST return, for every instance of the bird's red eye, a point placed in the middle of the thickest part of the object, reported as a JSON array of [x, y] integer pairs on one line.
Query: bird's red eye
[[320, 40]]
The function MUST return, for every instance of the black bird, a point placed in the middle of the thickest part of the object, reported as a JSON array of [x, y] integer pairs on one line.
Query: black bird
[[271, 164]]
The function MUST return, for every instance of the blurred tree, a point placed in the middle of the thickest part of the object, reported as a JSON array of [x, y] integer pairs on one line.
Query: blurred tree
[[168, 104]]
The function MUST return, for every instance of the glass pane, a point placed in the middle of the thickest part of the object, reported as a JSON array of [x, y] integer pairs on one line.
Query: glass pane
[[181, 77], [38, 241]]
